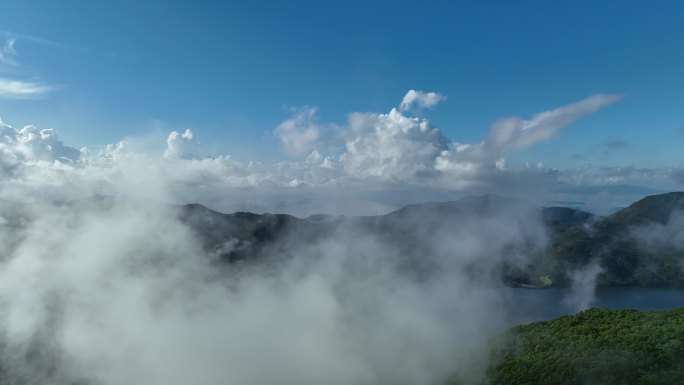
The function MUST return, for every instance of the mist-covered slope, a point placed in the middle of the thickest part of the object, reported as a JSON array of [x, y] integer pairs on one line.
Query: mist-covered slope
[[642, 244], [639, 245], [241, 236], [651, 209], [415, 231]]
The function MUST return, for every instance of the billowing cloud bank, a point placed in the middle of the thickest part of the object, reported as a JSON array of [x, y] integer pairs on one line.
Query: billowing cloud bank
[[119, 292], [372, 152]]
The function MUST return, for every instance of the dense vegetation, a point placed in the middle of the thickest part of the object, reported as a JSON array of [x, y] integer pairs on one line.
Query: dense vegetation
[[595, 347]]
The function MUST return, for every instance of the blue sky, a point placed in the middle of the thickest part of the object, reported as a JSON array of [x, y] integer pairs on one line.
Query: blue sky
[[233, 72]]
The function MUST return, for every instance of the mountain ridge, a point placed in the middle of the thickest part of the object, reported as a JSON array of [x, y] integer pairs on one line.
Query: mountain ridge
[[576, 238]]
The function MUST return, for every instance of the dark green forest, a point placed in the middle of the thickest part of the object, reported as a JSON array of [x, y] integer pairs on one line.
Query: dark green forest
[[607, 347]]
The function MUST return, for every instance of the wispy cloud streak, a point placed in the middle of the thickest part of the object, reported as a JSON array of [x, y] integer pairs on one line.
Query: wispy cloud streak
[[19, 89], [59, 45]]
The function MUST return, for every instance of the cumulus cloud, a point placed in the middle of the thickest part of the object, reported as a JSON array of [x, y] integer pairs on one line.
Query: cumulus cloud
[[420, 99], [29, 145], [299, 133], [391, 147], [394, 147], [371, 151], [19, 89], [183, 146]]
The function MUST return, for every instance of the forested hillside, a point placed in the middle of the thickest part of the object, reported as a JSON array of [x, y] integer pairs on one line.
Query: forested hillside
[[637, 246], [607, 347]]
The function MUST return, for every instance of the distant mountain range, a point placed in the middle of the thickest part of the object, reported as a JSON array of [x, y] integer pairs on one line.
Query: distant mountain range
[[574, 238], [257, 234]]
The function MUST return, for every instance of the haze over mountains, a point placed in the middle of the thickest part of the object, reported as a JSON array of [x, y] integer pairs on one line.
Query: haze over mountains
[[622, 243], [112, 290], [261, 230], [633, 245]]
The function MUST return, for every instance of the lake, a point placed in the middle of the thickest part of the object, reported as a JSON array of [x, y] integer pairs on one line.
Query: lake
[[543, 304]]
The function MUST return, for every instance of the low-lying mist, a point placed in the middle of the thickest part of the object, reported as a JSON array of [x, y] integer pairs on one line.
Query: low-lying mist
[[124, 292]]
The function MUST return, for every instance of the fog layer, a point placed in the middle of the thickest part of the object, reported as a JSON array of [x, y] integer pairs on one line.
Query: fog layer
[[124, 293]]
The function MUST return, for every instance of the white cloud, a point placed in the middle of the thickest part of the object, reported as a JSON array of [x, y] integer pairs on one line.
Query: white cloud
[[370, 152], [19, 89], [582, 293], [29, 144], [182, 146], [661, 237], [420, 99], [515, 133], [299, 133], [471, 160], [391, 147], [11, 88]]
